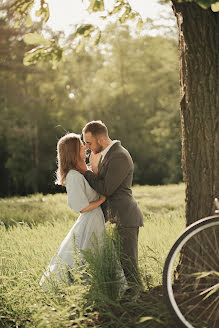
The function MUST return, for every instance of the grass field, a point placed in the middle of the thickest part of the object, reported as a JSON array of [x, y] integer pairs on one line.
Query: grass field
[[34, 227]]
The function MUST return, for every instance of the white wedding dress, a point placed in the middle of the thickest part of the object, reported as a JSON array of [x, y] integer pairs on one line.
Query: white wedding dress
[[84, 234]]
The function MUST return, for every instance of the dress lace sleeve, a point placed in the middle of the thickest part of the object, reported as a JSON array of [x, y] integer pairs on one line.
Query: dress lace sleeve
[[76, 192]]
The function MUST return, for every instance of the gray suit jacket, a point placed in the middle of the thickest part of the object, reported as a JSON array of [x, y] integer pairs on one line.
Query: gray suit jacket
[[114, 180]]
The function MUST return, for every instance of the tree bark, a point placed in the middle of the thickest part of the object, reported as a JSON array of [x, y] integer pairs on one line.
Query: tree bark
[[199, 106]]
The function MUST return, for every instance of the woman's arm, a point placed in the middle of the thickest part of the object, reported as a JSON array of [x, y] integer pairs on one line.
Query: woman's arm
[[94, 204]]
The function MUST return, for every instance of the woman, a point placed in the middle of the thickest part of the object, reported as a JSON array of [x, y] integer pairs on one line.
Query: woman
[[88, 228]]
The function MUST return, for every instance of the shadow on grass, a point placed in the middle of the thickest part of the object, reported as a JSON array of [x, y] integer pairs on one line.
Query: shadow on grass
[[147, 309]]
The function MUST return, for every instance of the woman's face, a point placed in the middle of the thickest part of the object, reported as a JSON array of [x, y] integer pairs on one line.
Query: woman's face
[[82, 151]]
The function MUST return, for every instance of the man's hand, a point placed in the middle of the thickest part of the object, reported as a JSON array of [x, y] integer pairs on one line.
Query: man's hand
[[81, 166], [94, 160], [102, 198]]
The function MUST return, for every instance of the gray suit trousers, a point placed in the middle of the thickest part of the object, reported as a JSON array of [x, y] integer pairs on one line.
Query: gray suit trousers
[[129, 254]]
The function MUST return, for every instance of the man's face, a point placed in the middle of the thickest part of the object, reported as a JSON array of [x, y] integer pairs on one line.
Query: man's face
[[92, 143]]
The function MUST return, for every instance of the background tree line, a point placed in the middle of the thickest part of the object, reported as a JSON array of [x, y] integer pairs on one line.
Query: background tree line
[[129, 81]]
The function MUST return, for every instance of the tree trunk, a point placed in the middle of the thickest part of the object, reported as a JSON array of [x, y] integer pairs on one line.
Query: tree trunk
[[199, 72]]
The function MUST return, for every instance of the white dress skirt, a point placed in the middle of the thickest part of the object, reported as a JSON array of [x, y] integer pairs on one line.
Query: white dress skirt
[[85, 234]]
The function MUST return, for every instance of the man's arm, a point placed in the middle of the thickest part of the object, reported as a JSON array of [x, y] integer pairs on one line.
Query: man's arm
[[117, 170]]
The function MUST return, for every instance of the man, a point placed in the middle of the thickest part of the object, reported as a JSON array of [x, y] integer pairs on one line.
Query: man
[[114, 180]]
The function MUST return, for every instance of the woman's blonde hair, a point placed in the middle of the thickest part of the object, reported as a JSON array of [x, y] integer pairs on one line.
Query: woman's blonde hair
[[68, 153]]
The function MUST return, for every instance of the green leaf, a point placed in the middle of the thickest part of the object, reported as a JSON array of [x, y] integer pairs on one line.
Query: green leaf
[[22, 7], [215, 7], [140, 23], [43, 11], [203, 5], [80, 45], [204, 274], [96, 5], [17, 24], [97, 37], [126, 15], [143, 319], [38, 12], [28, 21], [118, 6], [103, 17], [51, 54], [133, 15], [20, 10], [32, 56], [35, 38], [85, 30]]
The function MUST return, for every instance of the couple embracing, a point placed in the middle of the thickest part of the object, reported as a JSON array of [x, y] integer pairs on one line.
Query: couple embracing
[[102, 193]]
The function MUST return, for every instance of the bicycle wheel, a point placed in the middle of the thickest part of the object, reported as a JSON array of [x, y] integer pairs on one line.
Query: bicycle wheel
[[191, 275]]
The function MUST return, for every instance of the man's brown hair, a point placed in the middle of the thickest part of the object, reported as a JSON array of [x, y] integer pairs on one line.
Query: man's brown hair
[[96, 128]]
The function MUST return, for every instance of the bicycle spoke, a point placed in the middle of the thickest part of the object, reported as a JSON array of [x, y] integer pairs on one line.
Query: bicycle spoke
[[204, 309], [207, 308], [202, 259], [189, 299], [193, 275], [216, 321], [204, 248], [186, 277], [216, 243]]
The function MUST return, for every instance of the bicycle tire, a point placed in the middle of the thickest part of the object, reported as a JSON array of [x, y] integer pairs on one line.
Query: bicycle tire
[[192, 232]]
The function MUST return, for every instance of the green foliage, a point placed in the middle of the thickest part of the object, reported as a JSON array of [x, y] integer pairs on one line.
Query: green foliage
[[128, 13], [40, 104], [205, 4], [51, 53], [86, 30], [145, 119], [35, 38], [47, 50], [25, 253], [43, 11], [20, 10], [84, 34], [215, 6], [122, 10], [104, 268]]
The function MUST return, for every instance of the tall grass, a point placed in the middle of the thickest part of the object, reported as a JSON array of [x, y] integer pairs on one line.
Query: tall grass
[[34, 209], [26, 249]]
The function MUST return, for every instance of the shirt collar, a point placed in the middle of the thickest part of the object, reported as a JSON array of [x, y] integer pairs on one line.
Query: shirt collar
[[105, 151]]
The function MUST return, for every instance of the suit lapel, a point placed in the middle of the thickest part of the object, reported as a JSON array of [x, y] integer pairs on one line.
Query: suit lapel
[[108, 154]]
